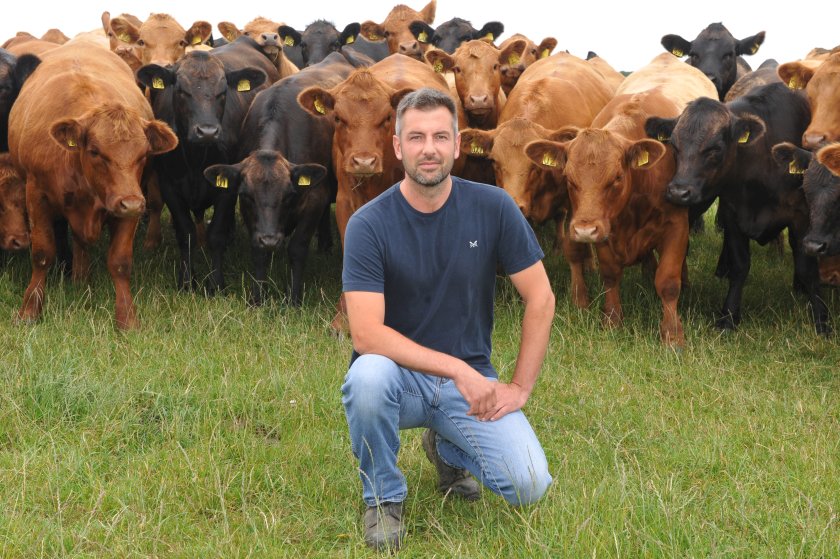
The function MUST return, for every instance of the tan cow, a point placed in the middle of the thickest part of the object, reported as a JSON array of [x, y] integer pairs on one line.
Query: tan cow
[[82, 132], [395, 30], [822, 85], [159, 40], [265, 33], [514, 61], [14, 231], [614, 77], [679, 82]]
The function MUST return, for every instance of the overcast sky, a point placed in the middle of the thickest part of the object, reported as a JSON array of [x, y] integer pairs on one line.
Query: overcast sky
[[626, 34]]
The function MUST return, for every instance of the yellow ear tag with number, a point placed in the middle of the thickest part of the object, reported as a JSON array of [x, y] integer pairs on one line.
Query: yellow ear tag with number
[[374, 37], [351, 39], [678, 53], [793, 83], [745, 137], [545, 53], [289, 41], [643, 159], [71, 142], [157, 83], [549, 160], [490, 36], [319, 106], [513, 59], [196, 40], [439, 67], [221, 181], [304, 180], [124, 37], [662, 137], [423, 37], [476, 149], [243, 85], [795, 169]]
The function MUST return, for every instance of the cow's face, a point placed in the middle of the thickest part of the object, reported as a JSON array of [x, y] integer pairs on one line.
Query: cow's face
[[706, 139], [265, 33], [112, 144], [13, 72], [517, 53], [160, 40], [321, 38], [455, 32], [14, 231], [396, 30], [821, 83]]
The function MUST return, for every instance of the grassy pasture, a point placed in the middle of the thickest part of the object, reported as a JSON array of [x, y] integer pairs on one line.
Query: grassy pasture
[[217, 430]]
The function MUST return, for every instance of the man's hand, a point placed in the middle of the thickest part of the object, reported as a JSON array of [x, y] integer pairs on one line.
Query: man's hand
[[509, 398], [478, 391]]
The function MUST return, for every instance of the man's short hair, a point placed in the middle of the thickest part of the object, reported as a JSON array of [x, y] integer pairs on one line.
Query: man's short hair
[[426, 99]]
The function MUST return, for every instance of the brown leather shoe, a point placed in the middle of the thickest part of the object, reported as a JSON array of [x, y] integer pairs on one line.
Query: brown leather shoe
[[384, 528], [450, 480]]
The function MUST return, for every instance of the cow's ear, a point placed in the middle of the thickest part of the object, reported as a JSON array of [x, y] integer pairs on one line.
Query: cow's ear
[[795, 74], [198, 33], [222, 176], [565, 134], [747, 129], [422, 31], [512, 53], [229, 31], [24, 67], [659, 128], [397, 96], [161, 137], [67, 133], [305, 176], [546, 46], [440, 61], [644, 154], [547, 155], [348, 36], [155, 76], [750, 44], [372, 31], [676, 45], [124, 30], [830, 157], [246, 79], [428, 12], [316, 101], [476, 143], [490, 31], [792, 157], [106, 21], [289, 36]]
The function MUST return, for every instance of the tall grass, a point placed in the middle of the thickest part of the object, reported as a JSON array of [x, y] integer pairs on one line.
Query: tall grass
[[216, 430]]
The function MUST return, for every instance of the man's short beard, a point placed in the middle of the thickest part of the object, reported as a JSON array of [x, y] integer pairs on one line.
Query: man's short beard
[[429, 181]]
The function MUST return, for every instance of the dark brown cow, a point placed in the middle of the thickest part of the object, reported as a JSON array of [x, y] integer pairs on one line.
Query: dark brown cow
[[159, 40], [515, 61], [397, 32], [82, 132], [616, 180], [265, 33], [821, 81], [14, 231]]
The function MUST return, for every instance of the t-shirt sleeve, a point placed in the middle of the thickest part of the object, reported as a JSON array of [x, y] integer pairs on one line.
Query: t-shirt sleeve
[[518, 245], [363, 259]]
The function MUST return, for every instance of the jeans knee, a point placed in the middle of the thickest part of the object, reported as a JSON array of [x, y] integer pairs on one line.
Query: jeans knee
[[527, 488], [367, 386]]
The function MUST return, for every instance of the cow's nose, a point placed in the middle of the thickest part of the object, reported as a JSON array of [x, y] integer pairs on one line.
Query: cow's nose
[[130, 206], [364, 161], [17, 242], [207, 131], [268, 240], [814, 247], [478, 99], [678, 193], [270, 38], [587, 233], [813, 140], [409, 48]]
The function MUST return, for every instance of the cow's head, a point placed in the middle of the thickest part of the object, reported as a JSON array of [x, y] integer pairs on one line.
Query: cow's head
[[160, 39], [706, 138], [198, 87], [396, 30], [453, 33], [598, 166], [515, 58], [714, 52], [821, 81], [13, 72], [320, 38], [111, 144], [14, 231], [363, 110], [269, 190], [265, 32]]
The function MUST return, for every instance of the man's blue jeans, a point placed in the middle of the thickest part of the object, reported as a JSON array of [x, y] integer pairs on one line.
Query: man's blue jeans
[[380, 398]]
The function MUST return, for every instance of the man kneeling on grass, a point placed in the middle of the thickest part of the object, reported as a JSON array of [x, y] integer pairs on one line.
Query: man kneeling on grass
[[419, 279]]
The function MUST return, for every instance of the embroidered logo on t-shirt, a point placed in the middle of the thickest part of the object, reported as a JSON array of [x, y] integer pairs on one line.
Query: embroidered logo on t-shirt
[[473, 244]]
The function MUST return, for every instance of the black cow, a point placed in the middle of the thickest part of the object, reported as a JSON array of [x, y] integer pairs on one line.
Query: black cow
[[716, 53], [321, 37], [279, 200], [724, 151], [204, 98], [13, 72], [450, 34]]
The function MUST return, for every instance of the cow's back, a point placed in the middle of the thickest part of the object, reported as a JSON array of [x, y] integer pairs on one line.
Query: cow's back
[[679, 82]]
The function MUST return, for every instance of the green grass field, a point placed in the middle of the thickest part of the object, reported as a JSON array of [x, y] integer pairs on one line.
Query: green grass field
[[217, 430]]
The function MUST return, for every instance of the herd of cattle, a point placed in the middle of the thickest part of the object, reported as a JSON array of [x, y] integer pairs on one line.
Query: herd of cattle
[[113, 124]]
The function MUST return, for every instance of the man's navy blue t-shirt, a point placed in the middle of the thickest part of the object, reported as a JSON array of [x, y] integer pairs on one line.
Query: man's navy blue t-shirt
[[437, 270]]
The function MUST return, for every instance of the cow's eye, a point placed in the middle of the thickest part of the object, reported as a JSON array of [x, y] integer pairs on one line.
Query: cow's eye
[[141, 43], [495, 67]]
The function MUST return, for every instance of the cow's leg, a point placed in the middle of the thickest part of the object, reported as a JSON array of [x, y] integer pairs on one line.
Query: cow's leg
[[576, 255], [81, 260], [185, 236], [298, 251], [737, 247], [120, 259], [259, 260], [64, 256], [807, 274], [218, 232], [611, 273], [42, 237], [325, 240], [343, 210], [668, 278], [154, 206]]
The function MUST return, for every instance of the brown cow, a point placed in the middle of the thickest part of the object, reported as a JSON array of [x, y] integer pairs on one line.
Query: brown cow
[[82, 132], [616, 180], [159, 40], [822, 85], [614, 77], [363, 109], [265, 33], [555, 92], [14, 232], [396, 31], [514, 61]]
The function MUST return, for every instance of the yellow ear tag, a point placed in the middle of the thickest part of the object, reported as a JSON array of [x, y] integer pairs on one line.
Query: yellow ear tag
[[71, 142], [319, 106], [662, 137], [221, 181], [289, 41], [549, 160], [196, 40], [476, 149], [439, 67], [744, 137], [157, 83], [643, 159], [793, 83], [350, 39], [243, 85], [423, 37], [124, 37], [374, 37], [513, 59], [489, 36], [678, 53], [304, 180], [795, 169], [754, 49], [545, 53]]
